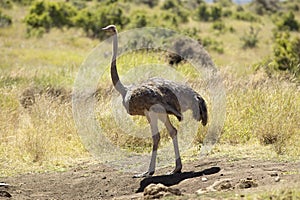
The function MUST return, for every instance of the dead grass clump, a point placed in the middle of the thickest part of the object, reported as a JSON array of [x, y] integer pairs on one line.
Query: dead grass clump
[[264, 110], [29, 95], [41, 137]]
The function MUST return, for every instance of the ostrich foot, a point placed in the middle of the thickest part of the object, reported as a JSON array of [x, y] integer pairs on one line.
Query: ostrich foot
[[175, 171], [143, 175]]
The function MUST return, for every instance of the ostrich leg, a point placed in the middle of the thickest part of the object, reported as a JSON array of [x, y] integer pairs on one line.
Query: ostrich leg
[[153, 121], [173, 133]]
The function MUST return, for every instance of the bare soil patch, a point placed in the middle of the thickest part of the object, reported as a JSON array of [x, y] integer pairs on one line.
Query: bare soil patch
[[98, 181]]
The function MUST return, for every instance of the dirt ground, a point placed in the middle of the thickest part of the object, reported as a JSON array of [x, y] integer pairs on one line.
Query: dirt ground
[[97, 181]]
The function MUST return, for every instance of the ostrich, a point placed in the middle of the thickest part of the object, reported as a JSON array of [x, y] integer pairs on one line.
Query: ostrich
[[156, 98]]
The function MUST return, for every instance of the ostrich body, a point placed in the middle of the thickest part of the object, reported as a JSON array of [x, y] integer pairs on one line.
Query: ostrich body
[[156, 98]]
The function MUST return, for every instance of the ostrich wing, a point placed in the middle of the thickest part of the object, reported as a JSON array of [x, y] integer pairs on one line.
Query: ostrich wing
[[155, 94]]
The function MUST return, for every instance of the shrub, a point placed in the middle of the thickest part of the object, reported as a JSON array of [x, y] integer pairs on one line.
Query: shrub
[[169, 4], [219, 25], [5, 4], [265, 6], [245, 16], [5, 20], [202, 12], [93, 20], [250, 39], [212, 44], [287, 21], [175, 8], [208, 13], [216, 13], [287, 53], [24, 2], [138, 20], [150, 3], [45, 15]]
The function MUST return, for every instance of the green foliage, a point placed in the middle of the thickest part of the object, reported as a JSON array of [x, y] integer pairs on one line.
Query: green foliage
[[150, 3], [219, 26], [224, 3], [93, 20], [176, 8], [169, 4], [208, 13], [286, 53], [245, 16], [212, 44], [44, 15], [250, 39], [138, 20], [5, 20], [6, 4], [265, 6], [24, 2], [287, 21]]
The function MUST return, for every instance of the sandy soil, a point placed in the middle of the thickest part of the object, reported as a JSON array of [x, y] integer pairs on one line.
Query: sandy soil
[[97, 181]]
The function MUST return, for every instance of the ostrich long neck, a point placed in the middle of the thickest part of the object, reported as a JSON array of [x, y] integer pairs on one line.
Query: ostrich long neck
[[113, 69]]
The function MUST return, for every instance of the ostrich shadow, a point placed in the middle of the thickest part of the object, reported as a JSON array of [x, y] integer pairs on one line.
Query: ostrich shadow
[[169, 180]]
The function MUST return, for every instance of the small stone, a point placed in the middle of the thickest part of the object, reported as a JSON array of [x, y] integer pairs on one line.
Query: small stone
[[104, 177], [246, 183], [204, 179], [274, 174], [277, 179], [201, 191], [252, 166]]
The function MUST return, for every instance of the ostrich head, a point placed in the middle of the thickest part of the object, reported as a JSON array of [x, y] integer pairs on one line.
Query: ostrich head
[[110, 28]]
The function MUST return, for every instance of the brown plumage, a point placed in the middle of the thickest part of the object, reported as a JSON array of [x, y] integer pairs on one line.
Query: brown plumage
[[155, 99]]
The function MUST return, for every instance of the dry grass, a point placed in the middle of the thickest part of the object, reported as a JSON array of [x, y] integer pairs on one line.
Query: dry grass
[[262, 113]]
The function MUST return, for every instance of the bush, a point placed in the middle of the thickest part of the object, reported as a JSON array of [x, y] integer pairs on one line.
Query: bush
[[250, 39], [138, 20], [219, 25], [93, 21], [5, 20], [24, 2], [45, 15], [175, 8], [245, 16], [169, 4], [202, 12], [265, 6], [6, 4], [212, 44], [287, 21], [287, 53], [208, 13]]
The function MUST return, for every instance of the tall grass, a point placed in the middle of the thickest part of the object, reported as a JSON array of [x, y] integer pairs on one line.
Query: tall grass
[[260, 109], [39, 137]]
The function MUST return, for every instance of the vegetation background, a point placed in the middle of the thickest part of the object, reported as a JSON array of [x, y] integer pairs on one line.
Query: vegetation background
[[255, 46]]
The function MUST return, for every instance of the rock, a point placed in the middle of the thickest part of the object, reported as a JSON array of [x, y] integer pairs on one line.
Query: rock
[[273, 174], [223, 184], [277, 179], [204, 179], [156, 191], [246, 183]]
